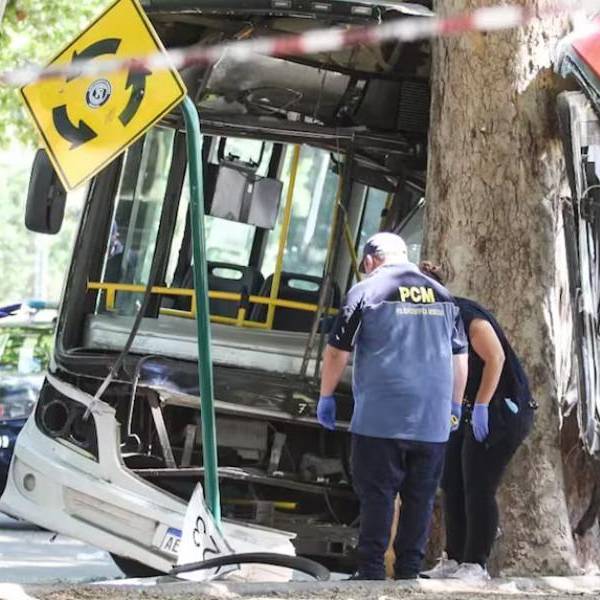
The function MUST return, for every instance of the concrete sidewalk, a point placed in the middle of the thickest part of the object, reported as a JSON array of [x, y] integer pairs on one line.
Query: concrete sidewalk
[[556, 588]]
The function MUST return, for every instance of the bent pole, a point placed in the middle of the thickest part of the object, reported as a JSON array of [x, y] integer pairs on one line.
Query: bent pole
[[207, 408]]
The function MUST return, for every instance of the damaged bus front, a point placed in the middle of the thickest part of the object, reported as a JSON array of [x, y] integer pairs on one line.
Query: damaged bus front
[[303, 159]]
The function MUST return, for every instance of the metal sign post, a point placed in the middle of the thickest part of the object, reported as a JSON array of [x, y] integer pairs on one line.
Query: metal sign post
[[209, 437]]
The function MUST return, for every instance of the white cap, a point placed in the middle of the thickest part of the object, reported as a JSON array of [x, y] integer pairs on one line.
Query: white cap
[[386, 246]]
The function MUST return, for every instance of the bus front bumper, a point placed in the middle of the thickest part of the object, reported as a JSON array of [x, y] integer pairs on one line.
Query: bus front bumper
[[54, 485]]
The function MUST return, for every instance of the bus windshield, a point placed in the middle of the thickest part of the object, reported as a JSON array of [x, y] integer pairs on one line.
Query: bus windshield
[[259, 278], [137, 215]]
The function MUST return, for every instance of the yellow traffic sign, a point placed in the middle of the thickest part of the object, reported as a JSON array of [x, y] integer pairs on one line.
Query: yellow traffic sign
[[86, 122]]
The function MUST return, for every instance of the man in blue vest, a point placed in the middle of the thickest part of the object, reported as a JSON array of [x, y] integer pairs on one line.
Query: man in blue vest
[[410, 368]]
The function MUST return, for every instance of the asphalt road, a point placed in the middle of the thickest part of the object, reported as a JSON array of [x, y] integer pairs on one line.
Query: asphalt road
[[30, 555]]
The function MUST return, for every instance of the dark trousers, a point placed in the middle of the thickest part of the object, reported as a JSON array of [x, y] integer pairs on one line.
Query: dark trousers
[[472, 474], [382, 468]]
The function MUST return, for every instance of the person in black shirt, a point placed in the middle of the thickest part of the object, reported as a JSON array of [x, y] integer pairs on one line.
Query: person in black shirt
[[496, 418]]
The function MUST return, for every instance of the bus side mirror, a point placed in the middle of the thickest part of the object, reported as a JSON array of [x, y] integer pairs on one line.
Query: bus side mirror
[[46, 197], [243, 196]]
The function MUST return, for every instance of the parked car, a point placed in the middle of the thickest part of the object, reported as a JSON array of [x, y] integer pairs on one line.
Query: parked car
[[26, 331]]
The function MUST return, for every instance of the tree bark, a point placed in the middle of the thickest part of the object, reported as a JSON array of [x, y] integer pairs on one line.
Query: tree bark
[[493, 219]]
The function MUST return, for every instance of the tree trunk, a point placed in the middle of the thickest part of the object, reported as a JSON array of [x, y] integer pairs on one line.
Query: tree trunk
[[494, 185]]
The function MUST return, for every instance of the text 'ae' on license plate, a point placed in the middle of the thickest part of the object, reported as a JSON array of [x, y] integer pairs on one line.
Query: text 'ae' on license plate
[[171, 541]]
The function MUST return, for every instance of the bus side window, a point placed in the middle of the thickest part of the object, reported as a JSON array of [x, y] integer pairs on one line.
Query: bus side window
[[131, 241], [374, 206], [312, 214]]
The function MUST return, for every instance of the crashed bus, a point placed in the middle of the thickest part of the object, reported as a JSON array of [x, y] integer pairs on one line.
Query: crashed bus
[[302, 160]]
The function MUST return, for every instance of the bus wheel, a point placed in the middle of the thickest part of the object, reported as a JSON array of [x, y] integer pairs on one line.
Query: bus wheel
[[133, 568]]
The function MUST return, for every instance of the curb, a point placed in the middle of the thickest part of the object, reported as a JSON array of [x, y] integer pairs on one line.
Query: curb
[[169, 589]]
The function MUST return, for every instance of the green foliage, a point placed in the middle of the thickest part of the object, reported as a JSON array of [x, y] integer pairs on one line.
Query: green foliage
[[33, 31], [31, 263], [16, 246], [13, 341]]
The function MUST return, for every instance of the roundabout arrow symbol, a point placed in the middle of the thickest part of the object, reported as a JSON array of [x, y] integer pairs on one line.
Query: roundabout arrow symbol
[[81, 133], [136, 81], [99, 48], [76, 134]]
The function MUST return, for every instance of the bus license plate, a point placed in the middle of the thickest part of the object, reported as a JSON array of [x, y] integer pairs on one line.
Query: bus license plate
[[171, 541]]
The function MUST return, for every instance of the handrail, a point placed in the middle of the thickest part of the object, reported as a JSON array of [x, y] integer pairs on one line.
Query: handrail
[[283, 236], [111, 290]]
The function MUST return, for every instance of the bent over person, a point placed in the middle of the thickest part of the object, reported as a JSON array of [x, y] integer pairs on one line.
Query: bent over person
[[497, 416], [410, 362]]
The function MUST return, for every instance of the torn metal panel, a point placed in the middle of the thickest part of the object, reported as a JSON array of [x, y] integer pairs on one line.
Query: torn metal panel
[[580, 131], [191, 432], [249, 476], [242, 385], [161, 430]]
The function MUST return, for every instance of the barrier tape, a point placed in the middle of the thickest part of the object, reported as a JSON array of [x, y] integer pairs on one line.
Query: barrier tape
[[408, 29]]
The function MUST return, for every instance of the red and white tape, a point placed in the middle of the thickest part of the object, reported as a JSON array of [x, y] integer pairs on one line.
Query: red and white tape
[[409, 29]]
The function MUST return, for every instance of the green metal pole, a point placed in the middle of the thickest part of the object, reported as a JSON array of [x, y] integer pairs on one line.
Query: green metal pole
[[207, 408]]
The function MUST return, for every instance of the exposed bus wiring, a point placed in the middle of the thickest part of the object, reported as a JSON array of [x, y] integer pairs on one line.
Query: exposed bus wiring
[[407, 29]]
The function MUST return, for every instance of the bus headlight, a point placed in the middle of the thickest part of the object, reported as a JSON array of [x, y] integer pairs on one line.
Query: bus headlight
[[62, 418]]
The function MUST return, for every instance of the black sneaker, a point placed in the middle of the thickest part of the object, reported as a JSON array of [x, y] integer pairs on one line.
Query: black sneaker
[[402, 576]]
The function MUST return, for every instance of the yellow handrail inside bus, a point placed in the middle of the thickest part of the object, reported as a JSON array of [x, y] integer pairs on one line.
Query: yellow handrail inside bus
[[351, 250], [283, 236], [332, 240], [240, 320]]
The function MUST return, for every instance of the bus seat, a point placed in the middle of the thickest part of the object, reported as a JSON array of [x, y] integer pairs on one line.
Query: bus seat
[[224, 277], [297, 288]]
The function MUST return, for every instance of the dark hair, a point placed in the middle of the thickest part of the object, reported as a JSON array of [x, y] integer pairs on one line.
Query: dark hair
[[434, 274]]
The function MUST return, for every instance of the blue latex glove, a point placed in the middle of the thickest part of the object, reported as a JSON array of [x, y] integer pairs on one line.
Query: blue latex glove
[[479, 421], [455, 414], [326, 412]]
